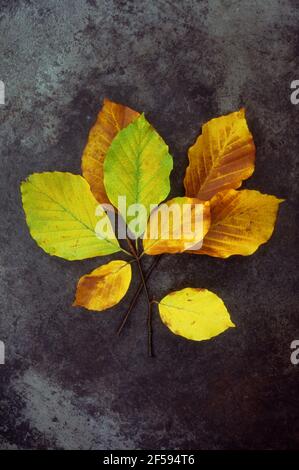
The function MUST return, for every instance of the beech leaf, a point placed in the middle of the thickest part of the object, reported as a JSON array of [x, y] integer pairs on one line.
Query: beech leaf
[[240, 222], [171, 236], [137, 166], [111, 119], [196, 314], [61, 215], [221, 158], [104, 287]]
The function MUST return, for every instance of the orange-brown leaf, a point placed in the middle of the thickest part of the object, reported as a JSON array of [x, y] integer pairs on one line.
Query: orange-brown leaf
[[104, 287], [112, 118], [176, 226], [240, 222], [221, 158]]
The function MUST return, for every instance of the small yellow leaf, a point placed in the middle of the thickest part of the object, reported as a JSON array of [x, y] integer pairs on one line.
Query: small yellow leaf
[[240, 222], [112, 118], [196, 314], [176, 226], [221, 158], [104, 287]]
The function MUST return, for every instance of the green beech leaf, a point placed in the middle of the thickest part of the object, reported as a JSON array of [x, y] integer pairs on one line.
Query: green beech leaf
[[61, 215], [137, 166]]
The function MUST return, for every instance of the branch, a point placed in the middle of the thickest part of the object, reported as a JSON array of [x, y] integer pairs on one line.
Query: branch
[[149, 316], [137, 293]]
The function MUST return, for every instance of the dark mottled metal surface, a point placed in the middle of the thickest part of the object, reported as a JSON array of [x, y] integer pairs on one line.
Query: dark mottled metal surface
[[69, 382]]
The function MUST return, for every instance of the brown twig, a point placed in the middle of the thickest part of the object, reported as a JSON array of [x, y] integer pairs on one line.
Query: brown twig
[[149, 330], [134, 251], [149, 323], [137, 293], [131, 246]]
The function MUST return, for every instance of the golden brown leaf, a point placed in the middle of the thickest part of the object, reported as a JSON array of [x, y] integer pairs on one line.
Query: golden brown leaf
[[104, 286], [221, 158], [240, 222], [112, 118], [168, 230]]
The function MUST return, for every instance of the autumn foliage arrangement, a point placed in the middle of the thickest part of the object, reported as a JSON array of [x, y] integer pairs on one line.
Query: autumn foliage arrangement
[[125, 156]]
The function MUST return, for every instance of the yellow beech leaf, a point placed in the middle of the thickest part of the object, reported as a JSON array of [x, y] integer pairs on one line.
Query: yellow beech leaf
[[137, 168], [177, 225], [61, 215], [104, 287], [240, 222], [196, 314], [221, 158], [112, 118]]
